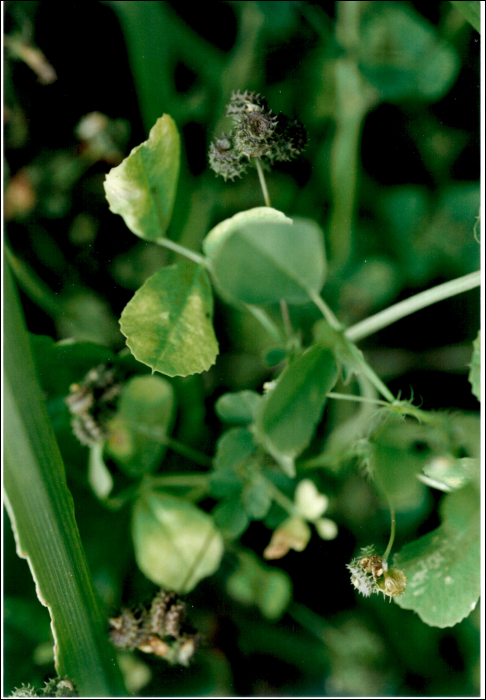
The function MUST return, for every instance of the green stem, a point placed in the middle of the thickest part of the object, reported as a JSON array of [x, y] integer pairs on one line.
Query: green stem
[[280, 497], [265, 320], [392, 532], [33, 285], [325, 311], [174, 445], [408, 306], [284, 310], [167, 243], [263, 184], [181, 480], [353, 397], [366, 369]]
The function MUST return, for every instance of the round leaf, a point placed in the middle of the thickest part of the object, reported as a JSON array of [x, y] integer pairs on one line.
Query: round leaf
[[168, 322], [443, 567], [261, 263], [176, 544], [146, 405], [220, 232], [239, 407], [142, 188]]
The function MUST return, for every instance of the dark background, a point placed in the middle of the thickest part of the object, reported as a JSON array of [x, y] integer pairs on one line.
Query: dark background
[[416, 202]]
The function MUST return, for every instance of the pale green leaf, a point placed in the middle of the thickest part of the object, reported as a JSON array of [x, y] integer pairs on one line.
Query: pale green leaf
[[238, 407], [168, 322], [257, 497], [291, 411], [176, 544], [142, 188], [443, 567], [99, 477], [475, 368], [144, 414], [224, 229], [261, 263]]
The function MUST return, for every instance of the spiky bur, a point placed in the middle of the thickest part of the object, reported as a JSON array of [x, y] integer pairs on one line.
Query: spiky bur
[[370, 574], [54, 688], [257, 133], [92, 402], [158, 628]]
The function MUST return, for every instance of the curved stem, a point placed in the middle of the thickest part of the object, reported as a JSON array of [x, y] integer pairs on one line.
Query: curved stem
[[408, 306], [263, 184], [195, 257], [174, 445], [265, 320], [392, 532], [284, 310], [325, 311]]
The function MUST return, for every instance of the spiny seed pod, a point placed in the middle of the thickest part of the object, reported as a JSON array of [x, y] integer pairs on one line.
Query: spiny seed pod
[[290, 138], [393, 583], [92, 402], [254, 134], [166, 614], [125, 630], [225, 160], [362, 581], [245, 102], [374, 565]]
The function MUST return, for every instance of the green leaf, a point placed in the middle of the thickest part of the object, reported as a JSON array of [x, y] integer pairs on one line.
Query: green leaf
[[475, 368], [261, 263], [291, 411], [142, 188], [234, 447], [168, 322], [224, 229], [238, 407], [443, 567], [230, 517], [255, 584], [257, 497], [405, 450], [176, 544], [41, 512], [146, 407], [471, 10], [402, 55]]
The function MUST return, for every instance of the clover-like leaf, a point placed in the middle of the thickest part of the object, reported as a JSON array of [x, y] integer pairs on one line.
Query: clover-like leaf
[[168, 322], [261, 263], [142, 188], [443, 567], [176, 543]]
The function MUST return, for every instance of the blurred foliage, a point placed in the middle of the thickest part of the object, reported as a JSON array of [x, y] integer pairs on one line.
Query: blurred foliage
[[388, 94]]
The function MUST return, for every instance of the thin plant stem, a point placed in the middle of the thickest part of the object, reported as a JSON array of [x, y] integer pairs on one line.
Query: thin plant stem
[[408, 306], [174, 445], [167, 243], [325, 311], [334, 323], [265, 320], [263, 184], [181, 480], [284, 310], [353, 397], [280, 497], [392, 532]]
